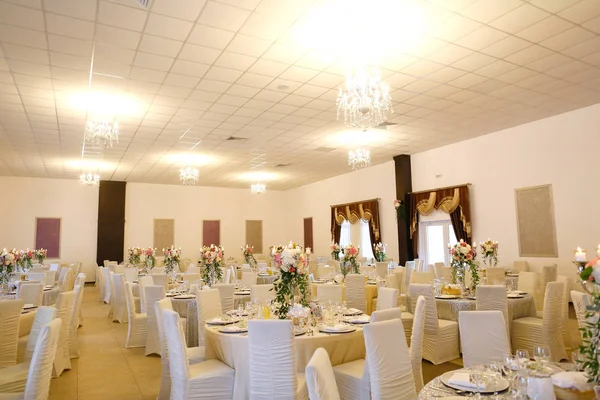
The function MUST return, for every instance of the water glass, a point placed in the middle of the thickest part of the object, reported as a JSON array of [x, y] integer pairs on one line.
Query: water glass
[[522, 357], [541, 355], [509, 367], [521, 387], [578, 360], [495, 375], [477, 374]]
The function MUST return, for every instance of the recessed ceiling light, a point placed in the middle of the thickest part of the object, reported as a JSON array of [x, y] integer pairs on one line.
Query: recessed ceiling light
[[283, 86]]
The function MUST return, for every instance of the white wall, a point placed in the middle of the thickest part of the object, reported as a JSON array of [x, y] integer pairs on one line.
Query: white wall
[[560, 150], [24, 199], [314, 200]]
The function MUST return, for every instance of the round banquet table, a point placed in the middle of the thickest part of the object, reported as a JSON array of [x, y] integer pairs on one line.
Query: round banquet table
[[232, 349], [448, 309], [266, 279], [370, 293], [49, 296]]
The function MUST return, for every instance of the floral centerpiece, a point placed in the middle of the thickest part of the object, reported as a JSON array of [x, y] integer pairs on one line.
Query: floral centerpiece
[[134, 255], [172, 258], [213, 259], [589, 273], [293, 279], [40, 255], [24, 259], [489, 253], [149, 257], [248, 253], [463, 258], [380, 250], [349, 263], [335, 251], [7, 265]]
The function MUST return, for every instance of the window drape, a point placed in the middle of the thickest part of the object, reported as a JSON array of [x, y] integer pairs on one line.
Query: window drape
[[451, 200], [367, 210]]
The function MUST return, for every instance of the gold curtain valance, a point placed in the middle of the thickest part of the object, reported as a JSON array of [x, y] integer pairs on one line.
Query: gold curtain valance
[[367, 210]]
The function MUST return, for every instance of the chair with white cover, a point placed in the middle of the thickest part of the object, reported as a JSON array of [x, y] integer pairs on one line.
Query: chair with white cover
[[157, 270], [195, 354], [10, 315], [119, 306], [325, 271], [416, 342], [386, 298], [356, 292], [193, 269], [529, 332], [26, 343], [386, 315], [442, 272], [493, 297], [580, 302], [75, 312], [320, 379], [390, 368], [54, 267], [330, 293], [62, 275], [272, 361], [39, 371], [107, 285], [209, 380], [440, 342], [136, 329], [187, 277], [382, 269], [131, 274], [226, 292], [262, 294], [422, 277], [51, 278], [36, 276], [549, 274], [409, 269], [246, 267], [209, 306], [495, 276], [31, 292], [99, 280], [143, 282], [64, 306], [367, 270], [521, 266], [528, 282], [153, 293], [565, 306], [80, 280], [248, 278], [160, 280], [483, 337]]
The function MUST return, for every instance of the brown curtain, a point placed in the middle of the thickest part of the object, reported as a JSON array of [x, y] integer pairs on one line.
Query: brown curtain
[[451, 200], [367, 210]]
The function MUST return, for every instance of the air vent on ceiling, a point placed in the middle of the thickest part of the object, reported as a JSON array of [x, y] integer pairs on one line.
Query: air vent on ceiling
[[145, 3], [325, 149], [282, 165], [385, 124], [233, 138]]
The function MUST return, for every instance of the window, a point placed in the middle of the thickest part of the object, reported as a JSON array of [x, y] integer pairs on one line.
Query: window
[[357, 234], [434, 237]]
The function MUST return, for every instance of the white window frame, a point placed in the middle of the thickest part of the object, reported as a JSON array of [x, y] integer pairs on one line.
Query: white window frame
[[434, 219]]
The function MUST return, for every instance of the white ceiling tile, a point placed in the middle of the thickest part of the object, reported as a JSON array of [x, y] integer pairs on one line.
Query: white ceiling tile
[[69, 61], [506, 47], [582, 11], [422, 68], [529, 55], [161, 46], [283, 52], [71, 27], [473, 61], [223, 16], [168, 27], [583, 49], [182, 9], [449, 54], [117, 37], [488, 10], [255, 80], [519, 18], [26, 37], [454, 28], [544, 29], [149, 75], [105, 52], [210, 85], [269, 68], [111, 68], [23, 67], [446, 74], [22, 16], [153, 61], [181, 80], [571, 68], [200, 54], [481, 38], [593, 25], [189, 68], [298, 74], [549, 62], [567, 38], [121, 17], [174, 91], [268, 27], [83, 9], [211, 37], [235, 61], [26, 53], [248, 45], [496, 68]]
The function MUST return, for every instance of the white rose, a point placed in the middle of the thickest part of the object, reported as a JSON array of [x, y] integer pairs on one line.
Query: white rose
[[596, 273], [464, 250]]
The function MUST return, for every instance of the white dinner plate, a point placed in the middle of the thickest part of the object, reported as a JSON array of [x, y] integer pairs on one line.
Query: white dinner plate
[[232, 329], [28, 306], [499, 386], [299, 332], [514, 296], [185, 296], [48, 287], [347, 329], [361, 320], [220, 321], [352, 311], [447, 296], [234, 313], [170, 294], [549, 369], [242, 293]]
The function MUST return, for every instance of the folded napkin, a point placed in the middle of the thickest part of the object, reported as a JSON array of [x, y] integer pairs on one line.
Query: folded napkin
[[336, 328], [572, 380], [353, 311], [361, 319], [463, 379], [233, 328], [540, 388]]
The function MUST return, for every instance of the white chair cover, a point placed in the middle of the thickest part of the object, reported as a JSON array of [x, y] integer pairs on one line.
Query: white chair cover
[[319, 377], [382, 269], [153, 293], [75, 311], [367, 270], [356, 292], [262, 294], [440, 341], [31, 292], [118, 301], [107, 285], [131, 274], [520, 266], [51, 278], [493, 297], [580, 302], [143, 282], [495, 276], [209, 306], [416, 342], [226, 292], [272, 361], [36, 276], [443, 272], [325, 271], [422, 277], [530, 332], [248, 278], [390, 369], [43, 316], [387, 298], [64, 306], [62, 274], [549, 274], [408, 270], [80, 280], [136, 329], [160, 280], [10, 314], [565, 305], [483, 337], [330, 293], [528, 282], [54, 267], [386, 315], [187, 277], [157, 270]]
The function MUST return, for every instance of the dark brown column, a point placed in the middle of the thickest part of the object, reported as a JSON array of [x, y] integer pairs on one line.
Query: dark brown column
[[403, 187], [111, 221]]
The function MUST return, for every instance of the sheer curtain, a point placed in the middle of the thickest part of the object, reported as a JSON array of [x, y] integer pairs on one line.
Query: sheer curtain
[[357, 234]]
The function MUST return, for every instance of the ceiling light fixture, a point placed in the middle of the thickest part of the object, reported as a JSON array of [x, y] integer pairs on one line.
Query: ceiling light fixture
[[188, 176], [89, 179], [365, 102], [258, 188], [101, 133], [359, 158]]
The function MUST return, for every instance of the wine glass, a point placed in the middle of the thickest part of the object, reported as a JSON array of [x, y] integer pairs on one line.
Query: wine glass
[[477, 374], [522, 357], [577, 360], [509, 366], [541, 355]]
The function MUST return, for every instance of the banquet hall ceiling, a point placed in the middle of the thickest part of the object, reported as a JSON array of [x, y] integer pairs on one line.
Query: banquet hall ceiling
[[184, 76]]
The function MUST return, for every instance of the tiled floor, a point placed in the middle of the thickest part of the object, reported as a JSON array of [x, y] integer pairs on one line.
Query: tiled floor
[[106, 370]]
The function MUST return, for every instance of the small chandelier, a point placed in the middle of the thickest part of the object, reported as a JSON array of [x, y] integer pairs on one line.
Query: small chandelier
[[101, 133], [188, 176], [89, 179], [366, 101], [258, 188], [359, 158]]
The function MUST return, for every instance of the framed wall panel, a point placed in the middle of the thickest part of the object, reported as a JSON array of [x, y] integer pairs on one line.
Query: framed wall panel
[[254, 235], [47, 235], [536, 229], [211, 232], [308, 233], [164, 233]]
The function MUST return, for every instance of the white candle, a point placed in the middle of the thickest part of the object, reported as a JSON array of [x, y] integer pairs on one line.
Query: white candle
[[580, 255], [598, 251]]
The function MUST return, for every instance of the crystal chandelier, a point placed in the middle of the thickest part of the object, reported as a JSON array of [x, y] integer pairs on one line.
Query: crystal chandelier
[[101, 133], [359, 158], [188, 176], [89, 179], [366, 101], [258, 188]]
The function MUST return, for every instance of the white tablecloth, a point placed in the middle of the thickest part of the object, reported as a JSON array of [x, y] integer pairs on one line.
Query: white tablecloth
[[370, 293], [265, 279], [232, 349], [49, 297]]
